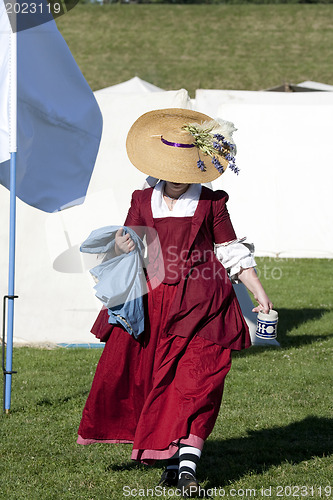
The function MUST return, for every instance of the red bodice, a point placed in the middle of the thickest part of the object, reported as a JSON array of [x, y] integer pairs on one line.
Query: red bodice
[[173, 233]]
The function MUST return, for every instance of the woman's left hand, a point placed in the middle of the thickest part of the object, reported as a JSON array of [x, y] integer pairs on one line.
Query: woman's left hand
[[265, 305], [251, 281]]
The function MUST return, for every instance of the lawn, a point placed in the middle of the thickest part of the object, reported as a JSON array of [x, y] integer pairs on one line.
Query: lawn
[[240, 47], [274, 430]]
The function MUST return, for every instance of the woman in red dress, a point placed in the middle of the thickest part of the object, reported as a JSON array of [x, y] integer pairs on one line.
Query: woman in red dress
[[162, 391]]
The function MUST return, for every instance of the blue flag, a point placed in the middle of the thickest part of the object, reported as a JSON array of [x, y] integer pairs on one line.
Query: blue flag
[[59, 123]]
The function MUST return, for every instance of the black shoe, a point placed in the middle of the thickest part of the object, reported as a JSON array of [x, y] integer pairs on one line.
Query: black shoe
[[169, 478], [188, 486]]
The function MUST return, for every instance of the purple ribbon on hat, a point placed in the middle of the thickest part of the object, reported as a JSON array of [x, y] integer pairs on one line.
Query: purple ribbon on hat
[[176, 144]]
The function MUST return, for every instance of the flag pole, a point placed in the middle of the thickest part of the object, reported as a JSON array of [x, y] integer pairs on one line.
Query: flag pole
[[8, 369]]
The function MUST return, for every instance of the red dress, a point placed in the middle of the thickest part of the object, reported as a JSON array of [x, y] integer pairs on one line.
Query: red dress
[[167, 385]]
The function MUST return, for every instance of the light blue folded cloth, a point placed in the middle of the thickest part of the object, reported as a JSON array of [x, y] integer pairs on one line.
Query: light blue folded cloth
[[121, 279]]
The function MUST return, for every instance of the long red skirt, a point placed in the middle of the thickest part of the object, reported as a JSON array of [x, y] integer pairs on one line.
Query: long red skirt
[[157, 390]]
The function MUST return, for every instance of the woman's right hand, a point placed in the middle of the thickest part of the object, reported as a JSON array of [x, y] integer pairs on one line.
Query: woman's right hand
[[123, 242]]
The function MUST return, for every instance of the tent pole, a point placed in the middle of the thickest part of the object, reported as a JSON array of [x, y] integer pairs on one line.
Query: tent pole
[[8, 371]]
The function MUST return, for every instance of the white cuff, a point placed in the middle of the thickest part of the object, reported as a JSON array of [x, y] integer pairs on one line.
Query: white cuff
[[235, 256]]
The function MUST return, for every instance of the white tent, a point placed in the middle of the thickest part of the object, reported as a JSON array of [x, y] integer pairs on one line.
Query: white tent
[[316, 85], [57, 303], [133, 86], [282, 198]]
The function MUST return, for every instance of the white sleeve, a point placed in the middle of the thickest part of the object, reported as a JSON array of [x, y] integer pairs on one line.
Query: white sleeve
[[235, 256]]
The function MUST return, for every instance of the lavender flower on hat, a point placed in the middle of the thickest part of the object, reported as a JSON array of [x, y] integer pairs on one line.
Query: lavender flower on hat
[[217, 164], [214, 139], [201, 165]]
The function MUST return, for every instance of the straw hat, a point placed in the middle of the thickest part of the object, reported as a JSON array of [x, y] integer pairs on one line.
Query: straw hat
[[181, 145]]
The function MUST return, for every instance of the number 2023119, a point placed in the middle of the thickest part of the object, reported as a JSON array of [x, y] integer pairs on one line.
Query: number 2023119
[[33, 8]]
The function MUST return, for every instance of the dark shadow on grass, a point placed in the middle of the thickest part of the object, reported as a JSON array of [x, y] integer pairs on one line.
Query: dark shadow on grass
[[225, 461], [60, 401], [290, 319], [49, 402], [294, 318], [128, 466]]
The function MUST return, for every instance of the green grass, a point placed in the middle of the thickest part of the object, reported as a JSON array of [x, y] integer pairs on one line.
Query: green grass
[[249, 47], [274, 427]]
